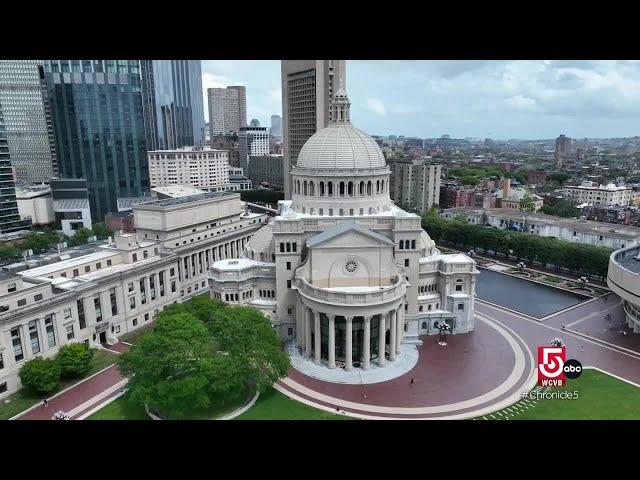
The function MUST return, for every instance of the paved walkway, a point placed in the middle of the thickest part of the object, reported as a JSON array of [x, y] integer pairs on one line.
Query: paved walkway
[[83, 396], [474, 374]]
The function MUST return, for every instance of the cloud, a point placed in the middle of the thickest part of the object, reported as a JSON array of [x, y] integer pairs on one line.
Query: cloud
[[376, 106]]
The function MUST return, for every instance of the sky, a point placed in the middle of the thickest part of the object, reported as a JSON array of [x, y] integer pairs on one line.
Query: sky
[[530, 99]]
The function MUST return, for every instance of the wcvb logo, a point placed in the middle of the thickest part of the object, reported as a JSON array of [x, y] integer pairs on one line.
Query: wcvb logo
[[554, 368]]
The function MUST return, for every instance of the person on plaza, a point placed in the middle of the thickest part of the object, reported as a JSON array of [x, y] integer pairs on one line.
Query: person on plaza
[[412, 380], [45, 402]]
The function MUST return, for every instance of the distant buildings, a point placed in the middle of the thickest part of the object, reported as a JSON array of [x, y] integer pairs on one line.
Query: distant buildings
[[581, 231], [517, 198], [255, 123], [276, 126], [10, 220], [194, 166], [266, 170], [594, 194], [71, 205], [564, 146], [179, 110], [102, 119], [27, 120], [228, 142], [35, 203], [252, 142], [308, 87], [227, 109], [415, 184]]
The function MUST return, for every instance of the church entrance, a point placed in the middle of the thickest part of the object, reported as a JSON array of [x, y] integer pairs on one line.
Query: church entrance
[[357, 337]]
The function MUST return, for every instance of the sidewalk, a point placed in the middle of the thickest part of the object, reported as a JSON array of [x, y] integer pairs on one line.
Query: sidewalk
[[81, 397]]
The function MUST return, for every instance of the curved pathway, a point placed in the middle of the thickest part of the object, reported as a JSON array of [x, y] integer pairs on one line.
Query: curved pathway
[[474, 374]]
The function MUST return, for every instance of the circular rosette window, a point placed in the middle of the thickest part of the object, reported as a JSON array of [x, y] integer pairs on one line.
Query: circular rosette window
[[351, 267]]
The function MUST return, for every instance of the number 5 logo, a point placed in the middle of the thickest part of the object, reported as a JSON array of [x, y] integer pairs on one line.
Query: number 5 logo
[[551, 361]]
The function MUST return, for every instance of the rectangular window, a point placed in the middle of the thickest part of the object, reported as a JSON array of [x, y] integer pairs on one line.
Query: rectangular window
[[87, 268], [145, 254], [117, 330], [289, 310], [288, 265], [18, 354], [114, 302], [288, 283], [290, 331], [143, 293], [132, 302], [70, 333], [81, 319], [75, 272], [461, 307], [1, 361], [173, 286], [172, 272], [135, 322], [3, 387], [134, 257], [51, 334], [22, 302], [37, 298], [146, 317], [98, 306], [131, 287], [458, 288], [406, 262], [152, 287], [98, 265], [33, 337]]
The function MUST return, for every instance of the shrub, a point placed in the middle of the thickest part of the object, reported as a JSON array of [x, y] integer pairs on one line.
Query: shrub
[[74, 360], [40, 375]]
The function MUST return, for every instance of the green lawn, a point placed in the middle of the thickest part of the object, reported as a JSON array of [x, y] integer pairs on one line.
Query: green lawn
[[600, 397], [24, 399], [120, 409], [273, 405], [124, 409], [550, 279]]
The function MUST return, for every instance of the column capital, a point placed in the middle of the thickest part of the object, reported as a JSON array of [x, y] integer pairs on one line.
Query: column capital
[[367, 318], [330, 316], [349, 319], [316, 313]]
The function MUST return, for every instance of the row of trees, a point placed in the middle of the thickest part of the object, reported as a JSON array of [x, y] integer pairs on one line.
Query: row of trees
[[200, 353], [43, 376], [43, 239], [577, 257]]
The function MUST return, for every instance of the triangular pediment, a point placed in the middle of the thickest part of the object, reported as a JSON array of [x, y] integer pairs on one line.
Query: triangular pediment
[[349, 234]]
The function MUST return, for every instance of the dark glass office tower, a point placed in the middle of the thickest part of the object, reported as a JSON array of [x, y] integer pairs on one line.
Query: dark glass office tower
[[9, 216], [100, 116], [179, 108]]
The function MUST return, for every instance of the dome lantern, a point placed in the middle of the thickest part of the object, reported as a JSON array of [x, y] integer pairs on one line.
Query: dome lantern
[[340, 107]]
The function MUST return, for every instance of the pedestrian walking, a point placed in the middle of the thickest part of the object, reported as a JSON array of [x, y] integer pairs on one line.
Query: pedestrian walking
[[412, 381], [46, 402]]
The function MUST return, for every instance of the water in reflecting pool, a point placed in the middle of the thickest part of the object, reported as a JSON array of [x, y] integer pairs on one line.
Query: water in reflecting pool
[[523, 295]]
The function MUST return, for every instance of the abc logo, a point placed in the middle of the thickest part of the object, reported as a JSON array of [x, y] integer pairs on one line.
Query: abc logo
[[572, 368]]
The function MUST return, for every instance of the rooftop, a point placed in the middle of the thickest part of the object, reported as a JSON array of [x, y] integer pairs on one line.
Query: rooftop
[[172, 202], [176, 191], [238, 264], [46, 270]]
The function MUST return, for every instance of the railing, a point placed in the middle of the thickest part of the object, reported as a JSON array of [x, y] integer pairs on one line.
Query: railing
[[385, 294]]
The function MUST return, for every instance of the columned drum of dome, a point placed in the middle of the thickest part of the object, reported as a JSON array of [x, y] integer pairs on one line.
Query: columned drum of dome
[[341, 270]]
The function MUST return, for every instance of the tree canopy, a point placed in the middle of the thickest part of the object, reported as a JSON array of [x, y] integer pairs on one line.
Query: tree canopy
[[201, 351]]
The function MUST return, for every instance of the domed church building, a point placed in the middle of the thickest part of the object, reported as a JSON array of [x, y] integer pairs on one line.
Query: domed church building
[[341, 270]]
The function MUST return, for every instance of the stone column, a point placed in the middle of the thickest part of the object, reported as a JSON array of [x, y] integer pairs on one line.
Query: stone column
[[332, 341], [392, 337], [349, 360], [307, 332], [381, 340], [317, 356], [366, 354], [400, 329]]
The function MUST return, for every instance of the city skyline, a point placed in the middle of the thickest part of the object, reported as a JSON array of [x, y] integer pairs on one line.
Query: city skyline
[[502, 100]]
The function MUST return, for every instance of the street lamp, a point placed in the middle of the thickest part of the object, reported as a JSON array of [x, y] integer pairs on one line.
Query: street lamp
[[443, 328]]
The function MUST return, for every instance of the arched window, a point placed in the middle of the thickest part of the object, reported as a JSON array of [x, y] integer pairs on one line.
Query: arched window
[[401, 244], [350, 189], [304, 188], [424, 325], [382, 186], [437, 306], [377, 186], [330, 185], [288, 247], [342, 189], [322, 189], [420, 308], [369, 187], [413, 244], [311, 189], [298, 183], [361, 192], [295, 246], [281, 247]]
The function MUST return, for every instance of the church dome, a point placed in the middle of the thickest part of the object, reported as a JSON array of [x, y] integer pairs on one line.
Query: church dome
[[341, 146]]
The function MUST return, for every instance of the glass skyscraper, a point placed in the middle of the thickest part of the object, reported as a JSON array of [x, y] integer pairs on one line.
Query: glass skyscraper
[[9, 217], [101, 119], [179, 108], [27, 117]]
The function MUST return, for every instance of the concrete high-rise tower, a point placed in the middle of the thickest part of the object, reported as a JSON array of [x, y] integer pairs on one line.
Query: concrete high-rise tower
[[242, 103], [27, 117], [227, 110], [276, 126], [308, 87]]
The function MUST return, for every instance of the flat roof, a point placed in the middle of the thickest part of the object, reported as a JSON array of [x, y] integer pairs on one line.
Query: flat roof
[[238, 264], [177, 190], [45, 270], [590, 226], [172, 202]]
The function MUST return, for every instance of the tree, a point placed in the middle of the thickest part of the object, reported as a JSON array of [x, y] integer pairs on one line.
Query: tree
[[101, 231], [74, 360], [40, 375], [9, 252], [80, 237]]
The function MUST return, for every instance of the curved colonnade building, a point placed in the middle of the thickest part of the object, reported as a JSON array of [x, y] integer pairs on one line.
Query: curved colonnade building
[[341, 269]]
